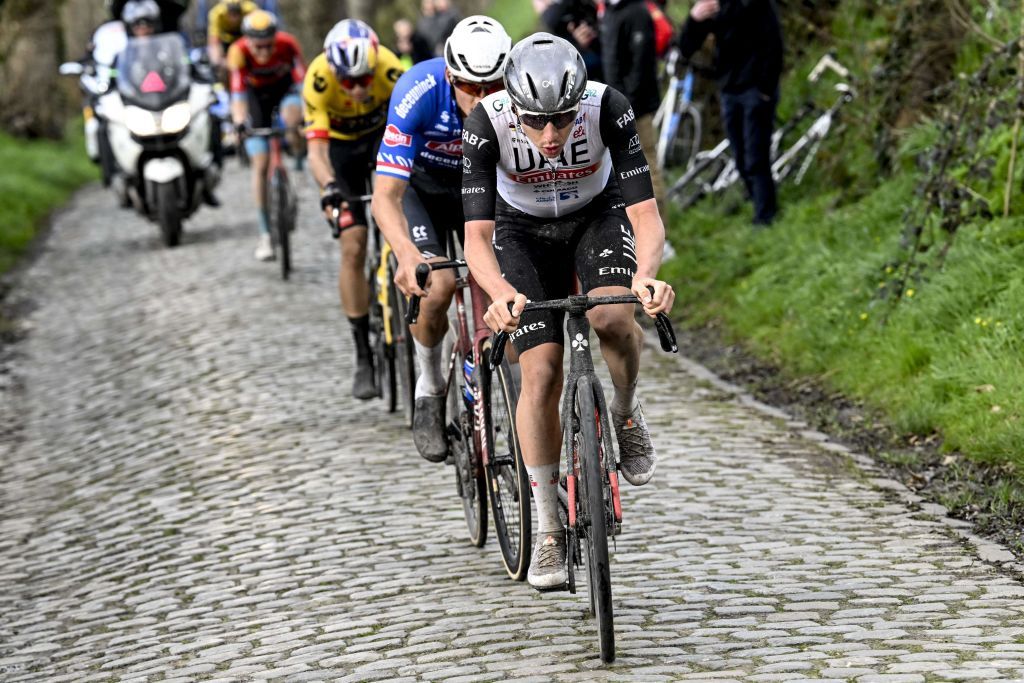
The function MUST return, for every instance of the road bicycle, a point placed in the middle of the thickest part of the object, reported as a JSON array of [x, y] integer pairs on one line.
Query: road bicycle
[[590, 497], [677, 120], [480, 428], [391, 341], [282, 205], [794, 162]]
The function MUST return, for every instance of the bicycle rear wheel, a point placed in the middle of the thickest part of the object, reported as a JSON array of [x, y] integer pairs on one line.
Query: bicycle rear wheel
[[469, 471], [593, 518], [507, 484], [280, 219], [402, 344]]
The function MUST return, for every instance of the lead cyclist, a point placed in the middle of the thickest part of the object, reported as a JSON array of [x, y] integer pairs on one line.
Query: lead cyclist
[[555, 184]]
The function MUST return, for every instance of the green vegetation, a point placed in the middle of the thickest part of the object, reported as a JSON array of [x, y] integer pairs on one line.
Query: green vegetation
[[517, 16], [35, 178], [820, 293]]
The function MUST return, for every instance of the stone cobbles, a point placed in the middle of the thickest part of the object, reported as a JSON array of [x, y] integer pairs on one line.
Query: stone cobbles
[[187, 492]]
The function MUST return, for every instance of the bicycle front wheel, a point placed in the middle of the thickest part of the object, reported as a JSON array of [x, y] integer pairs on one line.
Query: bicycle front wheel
[[383, 353], [469, 471], [507, 484], [593, 518], [685, 142], [402, 344], [280, 219]]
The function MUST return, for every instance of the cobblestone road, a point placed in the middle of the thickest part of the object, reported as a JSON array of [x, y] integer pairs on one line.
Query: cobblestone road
[[187, 492]]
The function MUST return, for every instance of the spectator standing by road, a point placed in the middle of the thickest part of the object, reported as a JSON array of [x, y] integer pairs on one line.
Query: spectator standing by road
[[410, 46], [631, 67], [577, 22], [437, 23], [748, 58]]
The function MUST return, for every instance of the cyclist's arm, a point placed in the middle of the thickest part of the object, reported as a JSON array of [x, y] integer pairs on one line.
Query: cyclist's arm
[[633, 173], [386, 207], [480, 156], [236, 67], [317, 128]]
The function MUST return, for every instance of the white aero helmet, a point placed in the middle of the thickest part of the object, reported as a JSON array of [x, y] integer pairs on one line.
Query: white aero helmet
[[477, 49]]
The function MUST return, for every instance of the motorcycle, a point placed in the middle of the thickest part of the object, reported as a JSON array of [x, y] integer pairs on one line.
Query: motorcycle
[[159, 126]]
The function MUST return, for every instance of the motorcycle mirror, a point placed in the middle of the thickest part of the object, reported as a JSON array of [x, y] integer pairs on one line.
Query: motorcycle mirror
[[71, 69]]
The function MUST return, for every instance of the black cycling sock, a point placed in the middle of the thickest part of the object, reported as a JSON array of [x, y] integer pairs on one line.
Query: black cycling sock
[[361, 333]]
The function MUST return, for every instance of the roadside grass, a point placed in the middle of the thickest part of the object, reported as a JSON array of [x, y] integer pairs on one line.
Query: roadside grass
[[35, 178]]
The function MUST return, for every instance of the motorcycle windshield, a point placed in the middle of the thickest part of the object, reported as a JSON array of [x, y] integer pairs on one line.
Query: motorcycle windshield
[[153, 72]]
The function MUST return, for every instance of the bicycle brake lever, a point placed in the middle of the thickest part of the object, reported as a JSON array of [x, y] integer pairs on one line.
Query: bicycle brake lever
[[422, 273], [498, 342], [333, 222], [666, 334]]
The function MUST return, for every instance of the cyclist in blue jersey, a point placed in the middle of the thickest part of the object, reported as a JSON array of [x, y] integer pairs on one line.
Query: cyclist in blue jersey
[[417, 196]]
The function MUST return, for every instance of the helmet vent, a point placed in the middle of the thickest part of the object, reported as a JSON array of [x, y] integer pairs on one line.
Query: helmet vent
[[564, 90], [533, 87]]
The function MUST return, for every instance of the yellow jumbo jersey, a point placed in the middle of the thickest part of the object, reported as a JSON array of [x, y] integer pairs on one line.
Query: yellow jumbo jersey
[[217, 21], [332, 113]]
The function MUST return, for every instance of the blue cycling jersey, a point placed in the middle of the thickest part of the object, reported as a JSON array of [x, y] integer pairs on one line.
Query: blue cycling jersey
[[424, 127]]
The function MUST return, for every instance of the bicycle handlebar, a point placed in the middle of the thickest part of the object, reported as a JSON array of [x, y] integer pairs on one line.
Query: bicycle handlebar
[[422, 272], [662, 323], [333, 221]]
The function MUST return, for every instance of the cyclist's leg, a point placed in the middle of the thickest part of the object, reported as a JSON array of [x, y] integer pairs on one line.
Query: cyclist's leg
[[606, 263], [733, 116], [350, 161], [540, 271], [291, 116], [260, 113]]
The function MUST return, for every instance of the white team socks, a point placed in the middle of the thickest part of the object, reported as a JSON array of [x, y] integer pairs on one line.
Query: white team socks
[[544, 484], [430, 381]]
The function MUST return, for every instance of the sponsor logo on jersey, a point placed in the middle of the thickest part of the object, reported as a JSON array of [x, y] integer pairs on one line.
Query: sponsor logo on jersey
[[451, 147], [633, 172], [396, 138], [625, 118], [393, 74], [575, 154], [634, 146], [579, 132], [415, 93], [614, 270], [565, 196], [628, 243], [606, 253], [546, 175], [419, 233], [474, 190], [526, 329], [473, 139], [319, 83]]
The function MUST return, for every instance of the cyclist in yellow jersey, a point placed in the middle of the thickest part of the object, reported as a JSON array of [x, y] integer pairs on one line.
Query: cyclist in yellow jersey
[[224, 23], [345, 96]]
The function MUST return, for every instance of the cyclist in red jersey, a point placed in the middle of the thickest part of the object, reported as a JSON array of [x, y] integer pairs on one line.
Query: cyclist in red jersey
[[267, 70]]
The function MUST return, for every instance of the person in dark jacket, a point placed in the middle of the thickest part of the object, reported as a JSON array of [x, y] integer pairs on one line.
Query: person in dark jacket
[[631, 67], [748, 57], [576, 21]]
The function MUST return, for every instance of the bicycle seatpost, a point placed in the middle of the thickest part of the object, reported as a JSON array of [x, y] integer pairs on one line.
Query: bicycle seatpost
[[422, 273]]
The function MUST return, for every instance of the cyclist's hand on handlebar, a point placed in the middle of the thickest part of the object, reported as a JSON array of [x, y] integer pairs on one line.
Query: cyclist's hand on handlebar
[[660, 301], [405, 278], [498, 316], [331, 199]]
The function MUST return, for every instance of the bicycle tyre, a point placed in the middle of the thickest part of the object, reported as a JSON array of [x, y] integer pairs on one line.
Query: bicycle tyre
[[696, 183], [469, 472], [401, 340], [279, 219], [508, 486], [685, 143], [591, 499], [383, 353]]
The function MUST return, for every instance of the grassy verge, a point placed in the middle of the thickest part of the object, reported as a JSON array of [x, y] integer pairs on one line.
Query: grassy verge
[[517, 16], [35, 178]]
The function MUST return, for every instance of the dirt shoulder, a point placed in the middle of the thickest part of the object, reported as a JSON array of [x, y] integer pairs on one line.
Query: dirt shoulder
[[990, 497]]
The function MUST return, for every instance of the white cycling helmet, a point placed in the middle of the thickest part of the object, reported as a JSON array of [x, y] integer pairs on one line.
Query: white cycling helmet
[[351, 48], [477, 49]]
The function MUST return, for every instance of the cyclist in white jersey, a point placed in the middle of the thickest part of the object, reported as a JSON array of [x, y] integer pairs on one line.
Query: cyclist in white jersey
[[555, 185]]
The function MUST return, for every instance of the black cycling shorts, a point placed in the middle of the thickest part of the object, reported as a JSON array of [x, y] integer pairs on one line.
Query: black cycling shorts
[[432, 205], [353, 162], [263, 101], [541, 257]]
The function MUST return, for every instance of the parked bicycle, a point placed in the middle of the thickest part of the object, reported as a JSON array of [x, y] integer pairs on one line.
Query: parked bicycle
[[481, 396], [590, 498], [677, 119], [281, 203]]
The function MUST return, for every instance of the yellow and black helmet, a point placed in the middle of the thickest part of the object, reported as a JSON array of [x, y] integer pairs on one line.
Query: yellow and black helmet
[[259, 24]]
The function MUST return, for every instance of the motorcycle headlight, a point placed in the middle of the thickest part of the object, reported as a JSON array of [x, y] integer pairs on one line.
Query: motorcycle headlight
[[176, 118], [140, 122]]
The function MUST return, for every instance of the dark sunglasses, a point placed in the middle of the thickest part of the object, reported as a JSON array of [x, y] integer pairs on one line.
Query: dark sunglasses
[[479, 89], [560, 119], [261, 47], [348, 83]]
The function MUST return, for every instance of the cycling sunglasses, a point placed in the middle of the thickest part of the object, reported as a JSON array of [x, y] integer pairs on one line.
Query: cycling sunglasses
[[479, 89], [363, 81], [560, 119], [261, 47]]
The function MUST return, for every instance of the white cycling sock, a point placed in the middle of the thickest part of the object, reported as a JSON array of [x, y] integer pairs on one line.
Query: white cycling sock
[[544, 484], [430, 382], [624, 402]]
